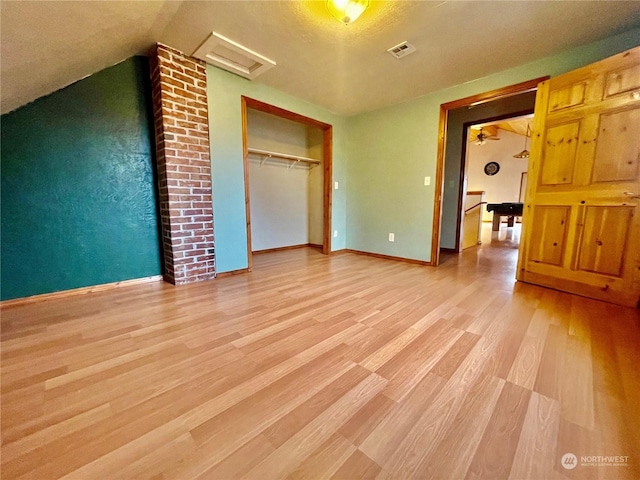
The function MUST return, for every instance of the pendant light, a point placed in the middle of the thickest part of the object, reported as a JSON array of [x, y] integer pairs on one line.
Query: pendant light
[[524, 153]]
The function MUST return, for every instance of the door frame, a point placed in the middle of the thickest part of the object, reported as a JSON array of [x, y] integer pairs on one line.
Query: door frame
[[443, 122], [462, 191], [327, 165]]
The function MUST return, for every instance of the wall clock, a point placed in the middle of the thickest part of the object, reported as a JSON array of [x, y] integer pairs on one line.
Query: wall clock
[[491, 168]]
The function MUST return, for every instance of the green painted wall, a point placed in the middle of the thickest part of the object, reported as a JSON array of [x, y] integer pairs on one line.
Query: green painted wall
[[392, 149], [224, 91], [78, 197]]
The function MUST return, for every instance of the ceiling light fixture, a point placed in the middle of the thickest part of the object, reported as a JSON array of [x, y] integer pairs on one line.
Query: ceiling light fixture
[[347, 11], [524, 153]]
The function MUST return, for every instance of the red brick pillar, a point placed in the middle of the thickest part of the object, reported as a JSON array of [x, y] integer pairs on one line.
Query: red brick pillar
[[179, 87]]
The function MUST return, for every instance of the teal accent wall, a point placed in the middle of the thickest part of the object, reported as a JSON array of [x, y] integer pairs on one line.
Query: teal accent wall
[[224, 92], [78, 195], [391, 150]]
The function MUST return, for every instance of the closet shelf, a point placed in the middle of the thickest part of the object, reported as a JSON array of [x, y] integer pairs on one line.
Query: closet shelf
[[294, 159]]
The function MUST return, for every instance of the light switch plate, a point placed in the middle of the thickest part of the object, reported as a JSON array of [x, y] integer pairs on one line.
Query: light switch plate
[[392, 237], [335, 185], [427, 181]]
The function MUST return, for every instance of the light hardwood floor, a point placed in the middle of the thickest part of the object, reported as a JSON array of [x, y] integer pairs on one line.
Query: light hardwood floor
[[323, 367]]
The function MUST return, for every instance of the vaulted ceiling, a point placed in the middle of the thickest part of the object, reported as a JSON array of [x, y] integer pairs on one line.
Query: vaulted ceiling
[[491, 130], [47, 45]]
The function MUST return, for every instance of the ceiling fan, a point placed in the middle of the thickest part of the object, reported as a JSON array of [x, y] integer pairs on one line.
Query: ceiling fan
[[481, 138]]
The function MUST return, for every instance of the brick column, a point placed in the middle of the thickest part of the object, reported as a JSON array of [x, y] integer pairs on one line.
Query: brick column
[[184, 167]]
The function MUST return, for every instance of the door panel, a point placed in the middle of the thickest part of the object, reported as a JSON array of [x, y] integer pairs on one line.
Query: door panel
[[548, 234], [569, 96], [581, 222], [604, 237], [618, 151], [622, 81], [560, 154]]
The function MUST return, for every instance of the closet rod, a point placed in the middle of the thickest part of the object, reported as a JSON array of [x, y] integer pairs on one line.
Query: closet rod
[[294, 158]]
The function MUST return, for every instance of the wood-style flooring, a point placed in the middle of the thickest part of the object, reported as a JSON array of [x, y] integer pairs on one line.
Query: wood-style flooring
[[314, 367]]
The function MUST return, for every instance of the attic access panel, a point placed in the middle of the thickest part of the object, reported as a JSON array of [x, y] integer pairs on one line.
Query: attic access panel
[[224, 53]]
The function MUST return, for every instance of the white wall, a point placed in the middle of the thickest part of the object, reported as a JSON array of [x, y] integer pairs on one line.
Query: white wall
[[286, 203], [504, 186]]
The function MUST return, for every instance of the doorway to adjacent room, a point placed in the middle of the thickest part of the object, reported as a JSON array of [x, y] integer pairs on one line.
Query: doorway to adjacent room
[[455, 117], [495, 169]]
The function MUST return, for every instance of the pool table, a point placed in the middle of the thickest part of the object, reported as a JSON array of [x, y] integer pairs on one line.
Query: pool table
[[509, 210]]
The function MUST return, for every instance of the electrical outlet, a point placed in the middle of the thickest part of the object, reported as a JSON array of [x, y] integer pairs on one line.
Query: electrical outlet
[[392, 237], [335, 233]]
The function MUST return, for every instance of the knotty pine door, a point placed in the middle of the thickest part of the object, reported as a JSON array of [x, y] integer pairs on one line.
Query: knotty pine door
[[581, 230]]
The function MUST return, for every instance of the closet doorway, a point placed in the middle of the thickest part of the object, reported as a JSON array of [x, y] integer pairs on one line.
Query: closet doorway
[[287, 176]]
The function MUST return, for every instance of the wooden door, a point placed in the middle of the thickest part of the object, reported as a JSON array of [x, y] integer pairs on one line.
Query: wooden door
[[581, 225]]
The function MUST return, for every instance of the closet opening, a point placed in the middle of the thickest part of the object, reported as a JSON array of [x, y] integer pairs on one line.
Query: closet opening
[[287, 176]]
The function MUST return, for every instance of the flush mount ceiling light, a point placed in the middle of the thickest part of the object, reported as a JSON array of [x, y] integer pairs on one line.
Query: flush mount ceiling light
[[347, 11], [524, 153]]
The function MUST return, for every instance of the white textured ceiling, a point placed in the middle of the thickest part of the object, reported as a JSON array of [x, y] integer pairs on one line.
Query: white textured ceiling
[[47, 45]]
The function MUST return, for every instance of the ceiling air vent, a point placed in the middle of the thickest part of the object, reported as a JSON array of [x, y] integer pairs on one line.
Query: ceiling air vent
[[402, 50], [232, 57]]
